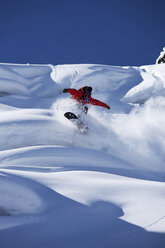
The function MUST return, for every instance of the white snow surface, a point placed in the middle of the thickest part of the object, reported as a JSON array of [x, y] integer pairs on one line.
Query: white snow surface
[[60, 188]]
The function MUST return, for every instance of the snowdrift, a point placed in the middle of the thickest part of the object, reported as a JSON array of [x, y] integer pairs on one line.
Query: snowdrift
[[67, 189]]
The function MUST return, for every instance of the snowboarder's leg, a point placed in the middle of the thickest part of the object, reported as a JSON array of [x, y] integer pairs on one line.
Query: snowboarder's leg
[[84, 111], [81, 119]]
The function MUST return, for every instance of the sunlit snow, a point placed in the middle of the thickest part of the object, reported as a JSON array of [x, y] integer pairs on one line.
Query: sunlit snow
[[61, 188]]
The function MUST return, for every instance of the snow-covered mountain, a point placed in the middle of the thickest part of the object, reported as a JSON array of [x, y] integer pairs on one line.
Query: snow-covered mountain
[[60, 188]]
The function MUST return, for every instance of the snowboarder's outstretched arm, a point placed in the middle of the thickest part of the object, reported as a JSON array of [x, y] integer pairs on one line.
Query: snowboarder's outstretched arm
[[73, 92], [98, 103]]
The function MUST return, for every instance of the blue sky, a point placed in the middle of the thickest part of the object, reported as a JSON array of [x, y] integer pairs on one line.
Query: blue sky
[[112, 32]]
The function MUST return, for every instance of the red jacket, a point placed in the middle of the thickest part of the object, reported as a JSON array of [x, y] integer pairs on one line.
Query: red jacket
[[80, 97]]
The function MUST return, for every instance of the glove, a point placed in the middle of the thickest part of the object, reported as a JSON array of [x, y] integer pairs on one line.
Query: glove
[[108, 107], [65, 90]]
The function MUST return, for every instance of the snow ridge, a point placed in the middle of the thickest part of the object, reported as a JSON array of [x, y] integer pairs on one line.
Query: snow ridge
[[93, 190]]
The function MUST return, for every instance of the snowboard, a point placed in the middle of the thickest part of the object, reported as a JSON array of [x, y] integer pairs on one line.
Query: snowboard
[[76, 121]]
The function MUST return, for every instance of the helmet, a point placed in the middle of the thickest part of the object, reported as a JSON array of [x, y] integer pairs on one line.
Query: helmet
[[87, 90]]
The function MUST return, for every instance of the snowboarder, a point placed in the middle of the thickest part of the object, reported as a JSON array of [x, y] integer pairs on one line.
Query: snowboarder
[[83, 97]]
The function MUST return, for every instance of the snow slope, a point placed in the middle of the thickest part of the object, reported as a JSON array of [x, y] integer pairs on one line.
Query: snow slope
[[61, 188]]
